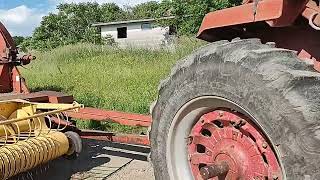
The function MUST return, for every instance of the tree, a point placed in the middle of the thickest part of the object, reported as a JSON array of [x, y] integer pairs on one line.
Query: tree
[[165, 9], [189, 14], [145, 10], [112, 12], [18, 40], [72, 23]]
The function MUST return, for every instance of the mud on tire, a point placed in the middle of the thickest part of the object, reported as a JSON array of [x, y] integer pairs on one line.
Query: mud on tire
[[280, 91]]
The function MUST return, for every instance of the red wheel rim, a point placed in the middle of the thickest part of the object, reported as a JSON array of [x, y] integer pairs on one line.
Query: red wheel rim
[[229, 146]]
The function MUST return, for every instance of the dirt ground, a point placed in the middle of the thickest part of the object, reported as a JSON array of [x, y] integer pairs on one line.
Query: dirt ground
[[99, 161]]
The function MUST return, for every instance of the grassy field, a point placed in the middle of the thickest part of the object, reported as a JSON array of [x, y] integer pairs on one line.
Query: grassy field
[[104, 77]]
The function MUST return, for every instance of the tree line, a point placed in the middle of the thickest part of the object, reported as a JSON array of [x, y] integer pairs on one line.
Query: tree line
[[72, 22]]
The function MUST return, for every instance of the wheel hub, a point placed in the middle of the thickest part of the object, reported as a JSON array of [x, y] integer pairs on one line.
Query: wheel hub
[[226, 144]]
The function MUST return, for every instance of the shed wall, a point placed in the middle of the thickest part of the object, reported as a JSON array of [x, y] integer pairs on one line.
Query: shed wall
[[136, 36]]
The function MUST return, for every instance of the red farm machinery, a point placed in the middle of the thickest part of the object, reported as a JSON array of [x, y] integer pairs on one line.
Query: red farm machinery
[[245, 106]]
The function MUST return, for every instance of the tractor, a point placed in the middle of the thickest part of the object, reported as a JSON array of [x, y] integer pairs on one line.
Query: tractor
[[247, 105]]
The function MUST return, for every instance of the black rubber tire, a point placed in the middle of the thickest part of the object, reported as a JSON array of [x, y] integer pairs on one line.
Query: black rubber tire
[[75, 145], [278, 89]]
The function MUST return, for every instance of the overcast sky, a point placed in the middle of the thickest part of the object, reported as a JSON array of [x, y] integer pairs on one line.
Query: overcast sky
[[22, 16]]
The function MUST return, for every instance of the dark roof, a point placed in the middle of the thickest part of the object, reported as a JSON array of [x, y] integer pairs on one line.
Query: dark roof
[[132, 21]]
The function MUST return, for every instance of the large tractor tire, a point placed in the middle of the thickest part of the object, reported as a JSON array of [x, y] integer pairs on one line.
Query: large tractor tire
[[238, 110]]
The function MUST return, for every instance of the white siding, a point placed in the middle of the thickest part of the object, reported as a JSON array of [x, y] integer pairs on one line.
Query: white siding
[[149, 38]]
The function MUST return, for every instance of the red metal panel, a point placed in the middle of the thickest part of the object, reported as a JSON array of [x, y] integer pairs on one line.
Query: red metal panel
[[277, 13], [5, 78], [33, 97], [114, 116], [306, 56], [3, 46], [42, 96], [225, 137], [291, 10], [317, 65], [301, 38], [312, 13], [6, 41], [266, 10], [58, 97], [18, 83]]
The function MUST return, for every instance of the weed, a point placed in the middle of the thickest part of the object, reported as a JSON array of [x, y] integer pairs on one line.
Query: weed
[[103, 77]]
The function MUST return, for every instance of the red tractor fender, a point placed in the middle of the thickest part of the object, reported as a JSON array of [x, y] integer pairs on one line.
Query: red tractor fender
[[277, 13], [284, 25]]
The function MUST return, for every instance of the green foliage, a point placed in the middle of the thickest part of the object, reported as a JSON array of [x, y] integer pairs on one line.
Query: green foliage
[[111, 12], [72, 23], [145, 10], [109, 40], [165, 9], [18, 40], [189, 14], [69, 26]]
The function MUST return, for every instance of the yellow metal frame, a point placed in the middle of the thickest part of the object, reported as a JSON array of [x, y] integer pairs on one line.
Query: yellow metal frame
[[33, 107], [25, 139]]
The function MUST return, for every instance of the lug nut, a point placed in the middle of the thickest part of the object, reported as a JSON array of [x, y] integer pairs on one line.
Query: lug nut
[[208, 153], [240, 123], [202, 120], [189, 140], [275, 177], [264, 145]]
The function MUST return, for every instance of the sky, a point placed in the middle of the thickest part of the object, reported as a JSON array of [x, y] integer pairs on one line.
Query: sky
[[22, 16]]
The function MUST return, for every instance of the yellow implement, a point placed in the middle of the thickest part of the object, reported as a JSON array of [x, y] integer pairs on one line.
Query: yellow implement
[[27, 138]]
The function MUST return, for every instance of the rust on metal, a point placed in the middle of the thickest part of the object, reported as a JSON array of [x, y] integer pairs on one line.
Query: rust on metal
[[42, 96], [5, 78], [215, 170], [11, 80], [291, 10], [18, 82], [241, 15], [128, 119], [274, 21], [312, 13], [277, 13], [221, 149], [7, 45], [316, 20], [105, 136], [306, 56]]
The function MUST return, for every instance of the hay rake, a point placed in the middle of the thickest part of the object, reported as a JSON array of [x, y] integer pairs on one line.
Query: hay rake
[[31, 134]]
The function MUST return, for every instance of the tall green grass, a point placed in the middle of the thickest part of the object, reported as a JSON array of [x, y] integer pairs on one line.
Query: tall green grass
[[104, 77]]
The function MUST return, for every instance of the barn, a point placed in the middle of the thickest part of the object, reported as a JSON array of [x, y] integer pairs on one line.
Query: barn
[[145, 33]]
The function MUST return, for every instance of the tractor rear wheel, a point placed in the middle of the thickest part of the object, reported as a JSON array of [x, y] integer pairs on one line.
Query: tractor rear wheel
[[238, 110]]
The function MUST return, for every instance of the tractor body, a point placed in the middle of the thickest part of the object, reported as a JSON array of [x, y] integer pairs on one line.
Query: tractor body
[[291, 25], [247, 105]]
